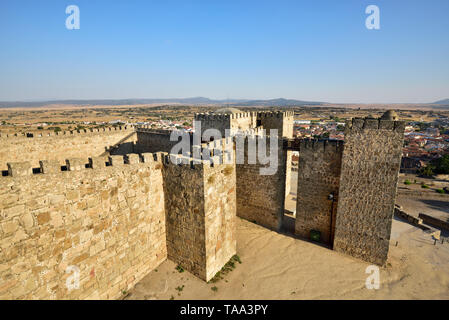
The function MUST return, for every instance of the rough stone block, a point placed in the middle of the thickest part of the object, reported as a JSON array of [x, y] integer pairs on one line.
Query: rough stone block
[[386, 124], [50, 166], [97, 162], [148, 157], [116, 161], [75, 164], [371, 124], [132, 158], [19, 169]]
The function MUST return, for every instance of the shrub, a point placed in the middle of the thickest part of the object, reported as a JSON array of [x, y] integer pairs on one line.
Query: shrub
[[179, 268], [427, 171], [424, 186], [440, 191], [407, 182], [442, 165]]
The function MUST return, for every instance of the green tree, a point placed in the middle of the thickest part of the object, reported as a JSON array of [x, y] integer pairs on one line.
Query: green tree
[[442, 165]]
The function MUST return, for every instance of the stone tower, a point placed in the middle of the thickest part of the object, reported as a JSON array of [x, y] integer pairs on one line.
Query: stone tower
[[367, 191]]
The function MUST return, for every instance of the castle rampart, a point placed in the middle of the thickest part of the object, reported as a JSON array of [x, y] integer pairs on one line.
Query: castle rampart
[[108, 223], [115, 217], [61, 145]]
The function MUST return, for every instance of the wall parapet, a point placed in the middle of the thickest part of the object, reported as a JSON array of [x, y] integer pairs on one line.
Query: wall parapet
[[24, 168], [66, 133], [372, 123], [148, 129]]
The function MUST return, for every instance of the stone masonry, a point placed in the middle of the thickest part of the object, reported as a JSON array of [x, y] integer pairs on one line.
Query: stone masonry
[[115, 215], [318, 187], [369, 175]]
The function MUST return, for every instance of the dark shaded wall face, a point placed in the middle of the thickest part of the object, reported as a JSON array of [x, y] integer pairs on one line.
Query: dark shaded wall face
[[157, 141], [318, 177], [260, 198]]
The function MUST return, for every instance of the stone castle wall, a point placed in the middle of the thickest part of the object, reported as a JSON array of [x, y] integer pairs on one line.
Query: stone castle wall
[[219, 122], [65, 144], [260, 198], [153, 140], [318, 177], [116, 218], [200, 201], [369, 174], [283, 122], [107, 221]]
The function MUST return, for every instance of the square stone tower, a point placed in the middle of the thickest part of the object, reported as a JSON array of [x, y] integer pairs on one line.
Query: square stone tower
[[369, 174]]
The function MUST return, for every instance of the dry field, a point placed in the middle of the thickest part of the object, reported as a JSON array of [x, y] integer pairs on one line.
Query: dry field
[[69, 117]]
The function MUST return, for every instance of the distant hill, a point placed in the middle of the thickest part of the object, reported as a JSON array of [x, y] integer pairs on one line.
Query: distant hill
[[445, 101], [278, 102], [193, 101]]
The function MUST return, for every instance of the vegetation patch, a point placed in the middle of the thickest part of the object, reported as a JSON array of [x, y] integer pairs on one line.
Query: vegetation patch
[[407, 182], [228, 267], [179, 268], [179, 289]]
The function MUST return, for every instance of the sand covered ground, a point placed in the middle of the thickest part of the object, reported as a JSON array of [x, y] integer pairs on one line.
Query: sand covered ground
[[278, 266]]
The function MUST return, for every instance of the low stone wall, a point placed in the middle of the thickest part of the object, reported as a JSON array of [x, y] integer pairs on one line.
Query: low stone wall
[[107, 223], [434, 222], [404, 215]]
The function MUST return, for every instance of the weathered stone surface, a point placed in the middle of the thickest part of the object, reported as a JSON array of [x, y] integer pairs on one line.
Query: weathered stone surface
[[19, 169], [49, 166], [318, 181], [260, 198], [369, 175], [200, 204], [72, 218], [63, 145]]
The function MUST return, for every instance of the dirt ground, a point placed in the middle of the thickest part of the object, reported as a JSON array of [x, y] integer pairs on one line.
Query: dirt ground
[[278, 266]]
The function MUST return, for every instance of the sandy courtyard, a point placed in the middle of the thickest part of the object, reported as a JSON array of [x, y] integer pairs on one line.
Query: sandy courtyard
[[278, 266]]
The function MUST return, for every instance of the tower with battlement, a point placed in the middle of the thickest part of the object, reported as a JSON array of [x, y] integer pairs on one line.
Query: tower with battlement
[[369, 174], [119, 212]]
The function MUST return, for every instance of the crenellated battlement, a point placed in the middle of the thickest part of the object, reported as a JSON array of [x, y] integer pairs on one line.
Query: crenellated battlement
[[212, 116], [148, 129], [275, 114], [373, 123], [320, 145], [67, 133], [24, 168]]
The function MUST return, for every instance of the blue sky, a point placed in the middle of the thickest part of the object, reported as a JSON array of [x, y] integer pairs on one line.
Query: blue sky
[[310, 50]]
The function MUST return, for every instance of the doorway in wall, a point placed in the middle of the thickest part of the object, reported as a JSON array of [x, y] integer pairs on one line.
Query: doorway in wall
[[289, 218]]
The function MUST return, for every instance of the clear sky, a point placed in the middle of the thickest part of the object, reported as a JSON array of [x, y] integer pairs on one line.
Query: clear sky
[[310, 50]]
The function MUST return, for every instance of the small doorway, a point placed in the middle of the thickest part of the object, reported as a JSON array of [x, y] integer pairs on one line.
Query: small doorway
[[289, 218]]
